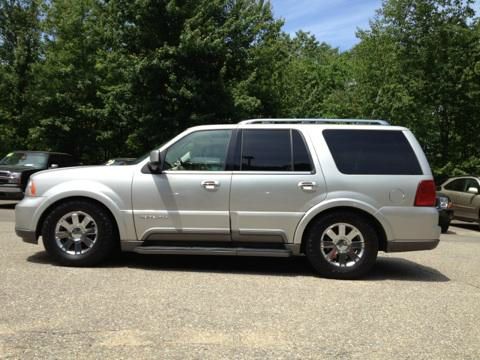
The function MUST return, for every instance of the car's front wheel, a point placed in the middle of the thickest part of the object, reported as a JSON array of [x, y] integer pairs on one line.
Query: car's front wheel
[[79, 233], [342, 245], [444, 228]]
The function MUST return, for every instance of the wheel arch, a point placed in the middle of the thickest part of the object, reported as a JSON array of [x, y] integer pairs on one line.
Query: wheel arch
[[52, 206], [311, 218]]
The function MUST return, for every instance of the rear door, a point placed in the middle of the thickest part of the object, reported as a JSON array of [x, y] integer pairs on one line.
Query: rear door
[[273, 184]]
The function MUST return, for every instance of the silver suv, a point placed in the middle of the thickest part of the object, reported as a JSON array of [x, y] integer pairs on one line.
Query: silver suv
[[337, 191]]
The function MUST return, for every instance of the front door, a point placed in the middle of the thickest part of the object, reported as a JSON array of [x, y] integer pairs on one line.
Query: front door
[[465, 200], [189, 200], [454, 190]]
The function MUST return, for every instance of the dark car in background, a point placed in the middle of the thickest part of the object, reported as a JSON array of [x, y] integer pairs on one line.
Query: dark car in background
[[17, 167], [445, 211]]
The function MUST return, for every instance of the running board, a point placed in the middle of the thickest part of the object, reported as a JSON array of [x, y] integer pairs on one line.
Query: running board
[[183, 250]]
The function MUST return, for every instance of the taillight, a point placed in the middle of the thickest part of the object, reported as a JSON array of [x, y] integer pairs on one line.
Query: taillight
[[425, 193]]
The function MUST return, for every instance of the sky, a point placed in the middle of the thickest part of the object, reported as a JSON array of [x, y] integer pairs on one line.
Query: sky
[[332, 21]]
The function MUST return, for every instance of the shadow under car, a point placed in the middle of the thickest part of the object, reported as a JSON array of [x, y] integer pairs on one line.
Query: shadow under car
[[386, 268]]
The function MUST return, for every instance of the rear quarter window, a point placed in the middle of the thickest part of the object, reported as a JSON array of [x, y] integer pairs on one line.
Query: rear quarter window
[[372, 152]]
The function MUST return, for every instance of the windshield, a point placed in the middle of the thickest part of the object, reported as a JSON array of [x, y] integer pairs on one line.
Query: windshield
[[35, 160]]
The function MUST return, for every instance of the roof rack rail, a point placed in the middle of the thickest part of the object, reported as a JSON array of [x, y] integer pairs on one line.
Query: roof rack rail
[[315, 121]]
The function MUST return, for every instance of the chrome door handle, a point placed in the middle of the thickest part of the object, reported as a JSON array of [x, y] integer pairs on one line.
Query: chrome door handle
[[210, 184], [307, 185]]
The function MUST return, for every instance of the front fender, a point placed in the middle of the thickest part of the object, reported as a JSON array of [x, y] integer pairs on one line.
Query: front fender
[[336, 203], [120, 208]]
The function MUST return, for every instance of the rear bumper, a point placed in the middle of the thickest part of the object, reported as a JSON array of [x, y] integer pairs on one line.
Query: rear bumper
[[410, 224], [28, 236], [411, 245]]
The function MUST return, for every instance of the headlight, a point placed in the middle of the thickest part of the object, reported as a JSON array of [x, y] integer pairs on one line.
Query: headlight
[[15, 178], [443, 202]]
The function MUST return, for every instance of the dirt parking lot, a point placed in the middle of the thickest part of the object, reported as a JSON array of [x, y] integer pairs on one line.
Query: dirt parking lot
[[421, 305]]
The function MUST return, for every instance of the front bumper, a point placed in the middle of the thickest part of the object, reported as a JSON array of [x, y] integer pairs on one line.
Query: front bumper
[[411, 245], [10, 193], [26, 218], [28, 236]]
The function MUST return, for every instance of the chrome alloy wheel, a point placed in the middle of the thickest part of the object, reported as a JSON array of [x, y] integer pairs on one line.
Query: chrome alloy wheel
[[76, 233], [342, 245]]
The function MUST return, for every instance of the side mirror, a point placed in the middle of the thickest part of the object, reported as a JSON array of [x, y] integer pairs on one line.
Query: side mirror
[[155, 163], [53, 166], [472, 190]]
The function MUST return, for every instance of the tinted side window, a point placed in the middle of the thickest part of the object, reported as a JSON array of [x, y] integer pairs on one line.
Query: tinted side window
[[199, 151], [60, 160], [456, 185], [379, 152], [53, 159], [66, 160], [266, 150], [471, 183], [301, 158]]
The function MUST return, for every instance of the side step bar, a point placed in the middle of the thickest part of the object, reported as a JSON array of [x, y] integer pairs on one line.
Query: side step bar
[[183, 250]]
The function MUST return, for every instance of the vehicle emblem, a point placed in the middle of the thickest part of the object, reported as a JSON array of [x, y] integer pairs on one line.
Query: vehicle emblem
[[153, 217]]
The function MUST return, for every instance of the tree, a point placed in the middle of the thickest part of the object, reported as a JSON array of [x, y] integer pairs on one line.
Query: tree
[[314, 72], [416, 67], [67, 81], [116, 78], [173, 64], [19, 51]]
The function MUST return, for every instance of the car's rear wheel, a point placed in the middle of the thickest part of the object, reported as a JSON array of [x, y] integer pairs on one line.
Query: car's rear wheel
[[79, 233], [342, 245]]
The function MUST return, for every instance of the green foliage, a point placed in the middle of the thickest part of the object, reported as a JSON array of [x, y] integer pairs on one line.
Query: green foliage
[[168, 65], [19, 51], [67, 81], [314, 71], [116, 78], [416, 67]]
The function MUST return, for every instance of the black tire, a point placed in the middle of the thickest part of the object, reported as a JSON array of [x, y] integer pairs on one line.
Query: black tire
[[317, 258], [444, 228], [102, 248]]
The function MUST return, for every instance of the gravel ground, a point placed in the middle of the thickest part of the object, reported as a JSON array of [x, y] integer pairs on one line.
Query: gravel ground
[[420, 305]]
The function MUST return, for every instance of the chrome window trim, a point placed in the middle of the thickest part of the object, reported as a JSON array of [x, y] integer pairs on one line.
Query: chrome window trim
[[235, 172], [221, 172], [262, 172]]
